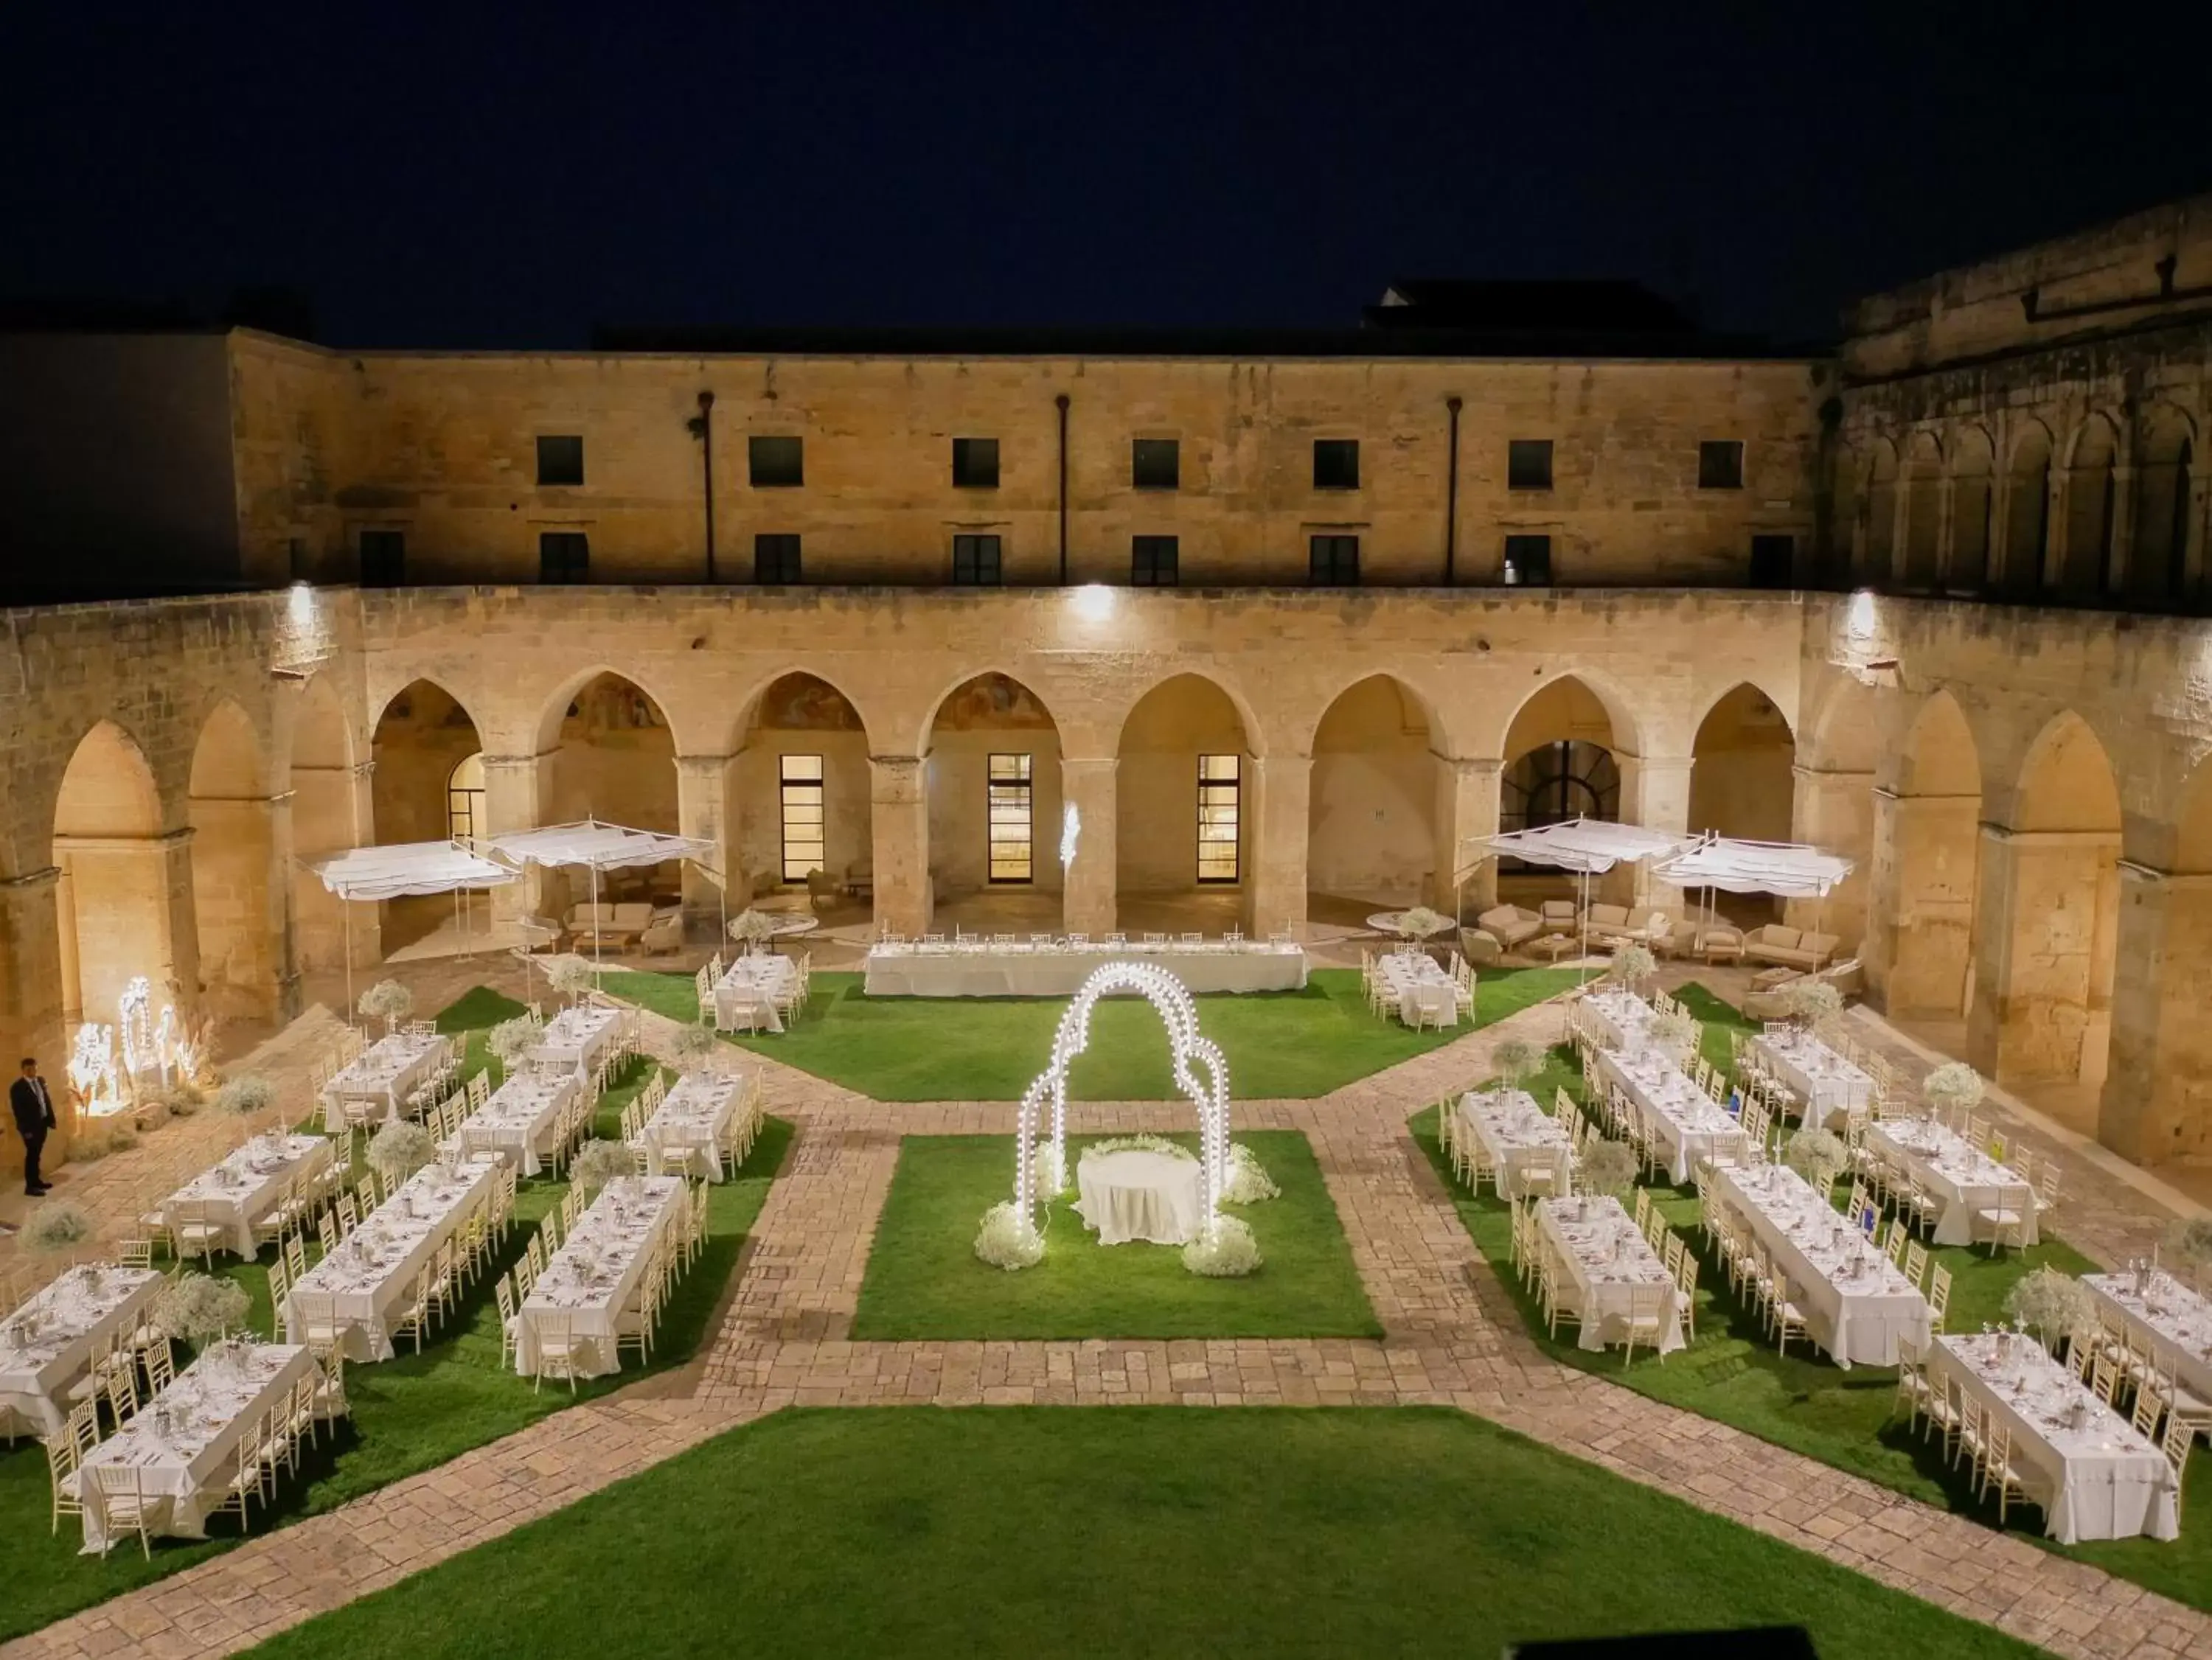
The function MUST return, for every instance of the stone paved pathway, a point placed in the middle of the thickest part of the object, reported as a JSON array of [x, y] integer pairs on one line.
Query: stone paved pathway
[[1452, 1337]]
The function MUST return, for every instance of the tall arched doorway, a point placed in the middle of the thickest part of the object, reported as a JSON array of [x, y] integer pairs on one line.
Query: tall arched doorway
[[1372, 804], [993, 773], [2159, 541], [234, 874], [2091, 484], [1923, 514], [1972, 512], [1560, 763], [608, 756], [1184, 809], [805, 795], [2027, 511], [1742, 776], [422, 738], [1933, 852], [113, 897]]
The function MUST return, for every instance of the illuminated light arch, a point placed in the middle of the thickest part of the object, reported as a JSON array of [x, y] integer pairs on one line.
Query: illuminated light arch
[[1200, 1072]]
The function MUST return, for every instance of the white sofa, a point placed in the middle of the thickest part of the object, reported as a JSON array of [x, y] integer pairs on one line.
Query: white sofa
[[609, 924], [1788, 948]]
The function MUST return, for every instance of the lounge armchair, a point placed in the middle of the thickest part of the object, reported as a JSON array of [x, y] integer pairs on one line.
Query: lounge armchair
[[1481, 946], [1561, 917], [664, 934], [1719, 942], [1509, 924], [1608, 924], [823, 891], [1788, 948], [1772, 1002]]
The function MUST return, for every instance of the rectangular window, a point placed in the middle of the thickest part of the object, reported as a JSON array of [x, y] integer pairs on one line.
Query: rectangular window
[[976, 562], [775, 558], [563, 556], [1773, 562], [383, 559], [776, 464], [974, 463], [799, 779], [1009, 818], [1153, 561], [1335, 561], [1528, 464], [1156, 463], [1528, 561], [1336, 463], [1218, 791], [1720, 464], [561, 460]]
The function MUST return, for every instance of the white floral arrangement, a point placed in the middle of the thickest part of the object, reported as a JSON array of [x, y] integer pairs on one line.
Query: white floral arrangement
[[1818, 1155], [1224, 1249], [387, 1001], [1632, 965], [598, 1162], [2191, 1242], [1421, 921], [400, 1149], [1812, 1000], [1954, 1087], [246, 1096], [201, 1309], [751, 927], [696, 1045], [56, 1226], [2050, 1304], [1608, 1168], [1515, 1061], [1008, 1238], [1136, 1144], [1677, 1031], [513, 1040], [571, 977], [1248, 1181]]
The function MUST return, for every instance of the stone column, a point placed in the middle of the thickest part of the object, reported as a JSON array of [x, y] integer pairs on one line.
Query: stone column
[[1275, 845], [514, 789], [2058, 534], [240, 871], [2157, 1102], [1919, 943], [1946, 510], [2119, 568], [899, 826], [1833, 809], [1654, 792], [707, 809], [1465, 811], [2041, 998], [1088, 902], [31, 1002]]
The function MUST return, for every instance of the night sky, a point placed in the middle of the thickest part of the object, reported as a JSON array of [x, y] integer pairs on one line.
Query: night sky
[[438, 178]]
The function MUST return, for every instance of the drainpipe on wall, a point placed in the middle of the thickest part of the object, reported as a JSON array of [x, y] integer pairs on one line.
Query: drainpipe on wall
[[1061, 403], [701, 427], [1451, 494]]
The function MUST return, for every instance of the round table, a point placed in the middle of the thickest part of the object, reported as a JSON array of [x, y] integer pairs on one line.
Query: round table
[[1136, 1195], [789, 925]]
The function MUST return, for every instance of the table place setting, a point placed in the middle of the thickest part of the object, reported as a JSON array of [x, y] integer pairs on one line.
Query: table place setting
[[1520, 1138], [2173, 1317], [576, 1037], [386, 1073], [1964, 1176], [1624, 1019], [518, 1120], [746, 994], [693, 1125], [591, 1277], [1607, 1256], [1688, 1122], [249, 1182], [1858, 1305], [1827, 1083], [1419, 986], [368, 1277], [46, 1344]]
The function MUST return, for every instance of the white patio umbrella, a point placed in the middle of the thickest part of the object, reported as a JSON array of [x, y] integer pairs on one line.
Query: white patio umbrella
[[1584, 847], [599, 847], [1788, 870], [400, 869]]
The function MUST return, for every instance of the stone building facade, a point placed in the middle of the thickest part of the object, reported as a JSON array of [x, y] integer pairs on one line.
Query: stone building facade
[[2020, 783]]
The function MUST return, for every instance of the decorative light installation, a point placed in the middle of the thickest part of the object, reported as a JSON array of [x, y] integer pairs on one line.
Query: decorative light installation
[[168, 1047], [92, 1068], [1071, 829], [134, 1023], [1200, 1072]]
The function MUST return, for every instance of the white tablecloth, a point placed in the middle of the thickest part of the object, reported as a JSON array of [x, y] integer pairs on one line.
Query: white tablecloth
[[1680, 1116], [368, 1277], [1132, 1194], [1828, 1084], [1858, 1306], [596, 1273], [2098, 1480], [1605, 1254], [185, 1442], [2177, 1321], [1420, 988], [744, 998], [1964, 1178], [1059, 970], [693, 1127], [577, 1037], [1620, 1019], [381, 1077], [518, 1120], [46, 1345], [246, 1187], [1520, 1138]]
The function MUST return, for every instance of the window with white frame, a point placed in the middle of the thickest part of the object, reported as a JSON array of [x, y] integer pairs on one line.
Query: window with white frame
[[1220, 786], [799, 778], [1010, 819]]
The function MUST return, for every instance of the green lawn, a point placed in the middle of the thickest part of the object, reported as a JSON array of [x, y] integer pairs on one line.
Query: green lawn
[[1732, 1373], [924, 1281], [1279, 1045], [1128, 1530], [409, 1415]]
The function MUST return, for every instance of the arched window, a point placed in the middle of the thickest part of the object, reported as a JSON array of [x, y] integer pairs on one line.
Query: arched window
[[1560, 780], [465, 799]]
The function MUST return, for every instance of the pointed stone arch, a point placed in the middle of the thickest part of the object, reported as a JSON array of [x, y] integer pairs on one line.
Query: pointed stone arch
[[992, 766], [2093, 459], [2027, 532], [1923, 512], [122, 879], [1375, 834], [1187, 807], [799, 786], [2157, 1099], [1973, 511]]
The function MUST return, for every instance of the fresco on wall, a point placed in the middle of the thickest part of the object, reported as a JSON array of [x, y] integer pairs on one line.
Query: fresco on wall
[[994, 702], [610, 703], [803, 703]]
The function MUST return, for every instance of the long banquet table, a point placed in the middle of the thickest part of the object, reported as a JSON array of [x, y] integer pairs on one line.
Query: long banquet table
[[185, 1442], [365, 1283], [745, 995], [1606, 1257], [48, 1343], [1420, 987], [2095, 1476], [520, 1120], [382, 1076], [696, 1124], [1826, 1082], [1685, 1120], [1619, 1018], [246, 1187], [1959, 1174], [1522, 1141], [1858, 1305], [578, 1037], [596, 1273], [1058, 970], [2175, 1320]]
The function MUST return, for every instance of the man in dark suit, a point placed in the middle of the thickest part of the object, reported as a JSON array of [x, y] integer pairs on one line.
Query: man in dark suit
[[34, 1117]]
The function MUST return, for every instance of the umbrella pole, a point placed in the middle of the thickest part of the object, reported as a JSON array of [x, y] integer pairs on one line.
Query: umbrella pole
[[348, 955]]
